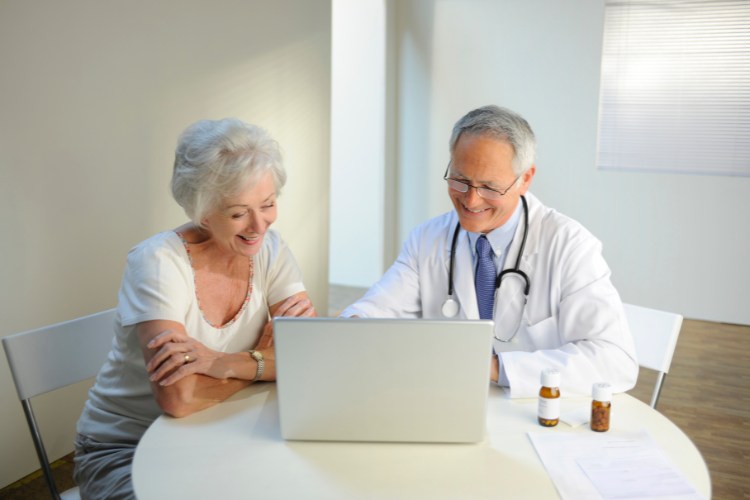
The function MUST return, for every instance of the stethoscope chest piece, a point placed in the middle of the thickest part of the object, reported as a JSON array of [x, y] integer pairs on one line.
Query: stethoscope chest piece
[[450, 308]]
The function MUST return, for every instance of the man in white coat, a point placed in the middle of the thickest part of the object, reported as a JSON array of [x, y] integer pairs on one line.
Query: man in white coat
[[553, 304]]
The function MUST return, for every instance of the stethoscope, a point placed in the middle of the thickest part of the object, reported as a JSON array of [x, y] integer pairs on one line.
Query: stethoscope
[[450, 306]]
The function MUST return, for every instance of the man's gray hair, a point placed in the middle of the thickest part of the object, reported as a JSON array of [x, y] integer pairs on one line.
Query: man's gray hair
[[214, 159], [501, 124]]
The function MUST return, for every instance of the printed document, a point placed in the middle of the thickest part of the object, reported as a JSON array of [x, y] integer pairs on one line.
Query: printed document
[[610, 465]]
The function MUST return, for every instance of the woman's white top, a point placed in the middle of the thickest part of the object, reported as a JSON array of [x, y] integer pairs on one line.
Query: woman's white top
[[159, 284]]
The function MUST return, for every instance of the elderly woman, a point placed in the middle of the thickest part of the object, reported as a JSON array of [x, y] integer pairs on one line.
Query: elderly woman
[[194, 305]]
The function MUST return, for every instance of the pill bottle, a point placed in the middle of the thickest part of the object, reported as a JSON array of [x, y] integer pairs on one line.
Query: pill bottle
[[549, 398], [601, 405]]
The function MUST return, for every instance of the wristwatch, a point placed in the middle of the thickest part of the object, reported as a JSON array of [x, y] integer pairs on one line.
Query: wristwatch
[[258, 357]]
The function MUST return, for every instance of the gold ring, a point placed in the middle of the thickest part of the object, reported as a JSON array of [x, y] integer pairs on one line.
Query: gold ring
[[187, 358]]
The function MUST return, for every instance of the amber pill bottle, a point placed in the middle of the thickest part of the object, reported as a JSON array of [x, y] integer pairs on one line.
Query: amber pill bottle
[[601, 407], [549, 398]]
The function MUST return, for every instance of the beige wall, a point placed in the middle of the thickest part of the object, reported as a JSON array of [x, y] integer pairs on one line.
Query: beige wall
[[92, 97]]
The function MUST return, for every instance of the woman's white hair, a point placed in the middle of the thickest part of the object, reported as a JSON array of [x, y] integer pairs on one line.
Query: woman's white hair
[[501, 124], [214, 159]]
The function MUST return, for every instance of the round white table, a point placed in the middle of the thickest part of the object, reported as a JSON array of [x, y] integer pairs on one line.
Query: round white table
[[235, 450]]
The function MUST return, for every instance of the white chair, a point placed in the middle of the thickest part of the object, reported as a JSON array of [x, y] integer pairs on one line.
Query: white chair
[[53, 357], [655, 334]]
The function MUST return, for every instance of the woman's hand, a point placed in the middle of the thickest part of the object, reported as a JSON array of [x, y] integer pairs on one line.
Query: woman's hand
[[297, 305], [186, 376], [266, 338], [177, 355]]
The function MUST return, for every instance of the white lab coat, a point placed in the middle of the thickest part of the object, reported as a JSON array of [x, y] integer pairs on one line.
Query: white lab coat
[[573, 319]]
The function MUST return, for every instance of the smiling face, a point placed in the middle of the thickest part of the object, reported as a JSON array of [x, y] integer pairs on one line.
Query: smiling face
[[483, 161], [240, 223]]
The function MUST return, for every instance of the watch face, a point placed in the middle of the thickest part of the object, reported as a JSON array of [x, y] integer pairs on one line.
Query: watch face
[[257, 356]]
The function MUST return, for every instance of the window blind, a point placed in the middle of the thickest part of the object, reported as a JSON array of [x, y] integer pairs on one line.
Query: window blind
[[675, 87]]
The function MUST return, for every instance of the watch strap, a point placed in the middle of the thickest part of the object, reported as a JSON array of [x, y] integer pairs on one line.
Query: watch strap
[[258, 357]]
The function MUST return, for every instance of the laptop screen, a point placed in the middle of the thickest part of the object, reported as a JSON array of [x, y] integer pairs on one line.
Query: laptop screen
[[357, 379]]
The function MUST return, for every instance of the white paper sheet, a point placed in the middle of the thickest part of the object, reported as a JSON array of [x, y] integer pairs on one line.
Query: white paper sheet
[[610, 465]]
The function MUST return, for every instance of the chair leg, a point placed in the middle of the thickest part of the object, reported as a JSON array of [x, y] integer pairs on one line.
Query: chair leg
[[657, 389], [40, 452]]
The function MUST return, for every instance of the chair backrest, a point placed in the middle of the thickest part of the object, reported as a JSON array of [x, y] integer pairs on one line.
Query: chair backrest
[[655, 334], [53, 357]]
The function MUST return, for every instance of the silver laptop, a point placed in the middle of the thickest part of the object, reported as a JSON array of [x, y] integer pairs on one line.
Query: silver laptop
[[392, 380]]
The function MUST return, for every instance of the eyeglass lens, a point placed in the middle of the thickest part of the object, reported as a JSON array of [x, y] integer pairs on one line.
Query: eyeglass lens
[[463, 187]]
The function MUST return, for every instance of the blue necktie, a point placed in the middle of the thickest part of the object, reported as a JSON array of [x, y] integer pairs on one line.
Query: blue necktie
[[484, 280]]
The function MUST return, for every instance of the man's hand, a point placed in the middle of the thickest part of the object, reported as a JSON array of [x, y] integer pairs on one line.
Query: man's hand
[[495, 368]]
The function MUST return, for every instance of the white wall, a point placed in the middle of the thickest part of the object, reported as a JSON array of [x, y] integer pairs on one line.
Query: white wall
[[93, 95], [676, 242], [357, 142]]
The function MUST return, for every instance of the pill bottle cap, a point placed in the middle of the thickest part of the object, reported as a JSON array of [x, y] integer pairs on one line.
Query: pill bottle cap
[[551, 378], [602, 391]]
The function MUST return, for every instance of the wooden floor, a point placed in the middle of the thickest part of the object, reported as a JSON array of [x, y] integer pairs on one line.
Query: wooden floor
[[707, 394]]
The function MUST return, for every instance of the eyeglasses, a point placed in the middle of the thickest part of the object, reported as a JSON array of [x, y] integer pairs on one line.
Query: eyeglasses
[[483, 192]]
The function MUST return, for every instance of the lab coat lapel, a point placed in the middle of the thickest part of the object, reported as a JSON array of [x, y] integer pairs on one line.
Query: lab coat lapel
[[532, 240], [529, 256], [510, 300]]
